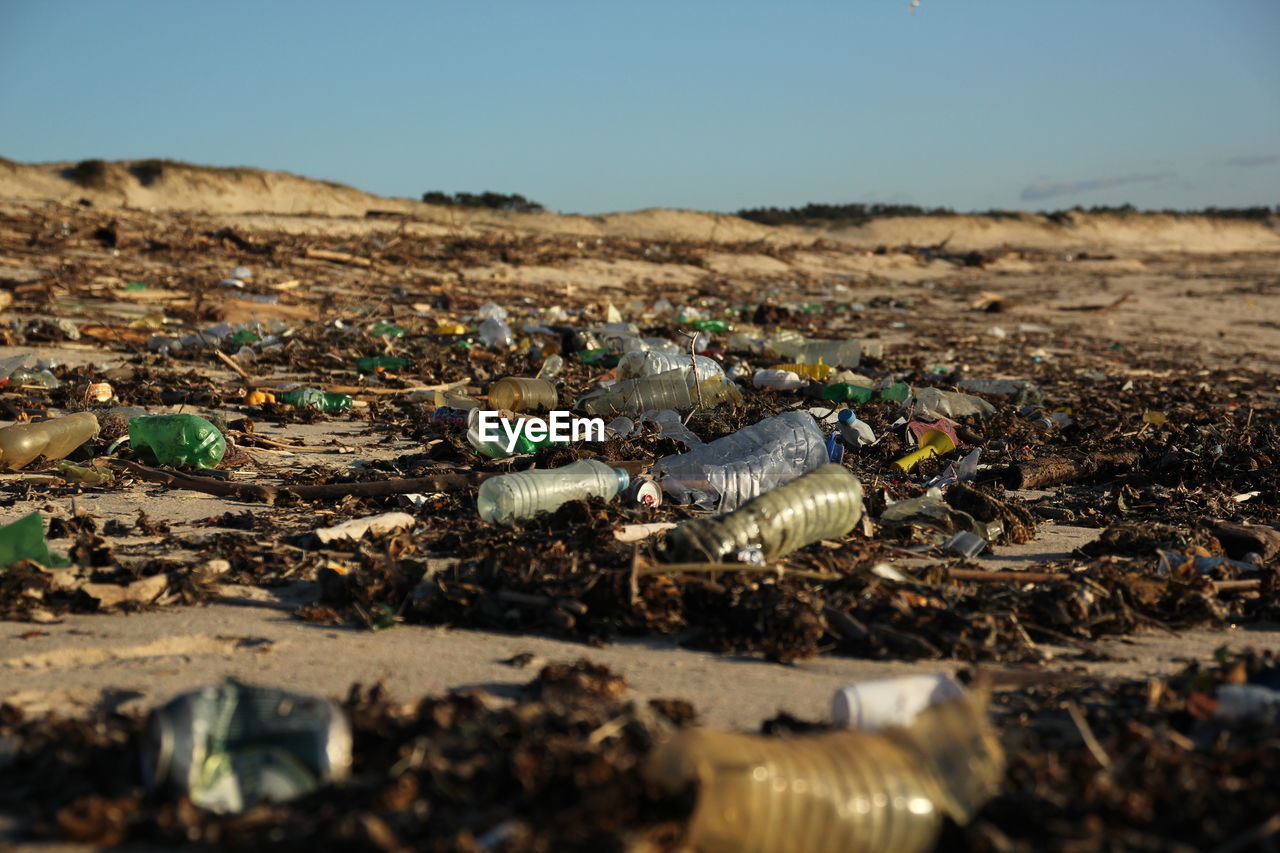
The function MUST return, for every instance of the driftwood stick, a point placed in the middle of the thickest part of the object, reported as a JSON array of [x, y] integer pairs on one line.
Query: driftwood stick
[[268, 494], [1057, 470]]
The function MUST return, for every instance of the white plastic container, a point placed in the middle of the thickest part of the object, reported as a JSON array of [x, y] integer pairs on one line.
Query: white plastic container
[[886, 702]]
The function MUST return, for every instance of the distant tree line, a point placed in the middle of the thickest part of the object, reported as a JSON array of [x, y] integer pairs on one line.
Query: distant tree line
[[837, 215], [486, 199]]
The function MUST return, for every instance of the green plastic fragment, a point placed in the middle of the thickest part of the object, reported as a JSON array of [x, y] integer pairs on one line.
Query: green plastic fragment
[[136, 285], [383, 329], [602, 357], [244, 337], [709, 325], [314, 398], [24, 540], [178, 440], [898, 392], [374, 363]]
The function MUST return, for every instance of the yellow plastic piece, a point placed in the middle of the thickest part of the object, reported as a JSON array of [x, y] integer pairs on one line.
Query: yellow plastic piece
[[934, 442], [819, 371], [257, 398], [450, 329]]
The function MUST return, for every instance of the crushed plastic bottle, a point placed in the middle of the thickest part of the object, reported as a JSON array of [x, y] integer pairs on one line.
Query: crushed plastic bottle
[[848, 790], [826, 503], [234, 746], [675, 389], [856, 433], [499, 449], [314, 398], [178, 440], [24, 378], [819, 371], [1020, 391], [52, 439], [491, 311], [634, 365], [935, 403], [518, 394], [726, 473], [671, 426], [24, 540], [832, 352], [509, 497]]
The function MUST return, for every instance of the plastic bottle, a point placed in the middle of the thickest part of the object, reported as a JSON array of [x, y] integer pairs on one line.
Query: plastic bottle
[[730, 471], [380, 362], [53, 439], [496, 333], [936, 403], [778, 380], [314, 398], [674, 389], [179, 440], [838, 791], [499, 449], [518, 394], [509, 497], [835, 353], [823, 504], [845, 392], [634, 365], [234, 746], [883, 703], [856, 433], [23, 376]]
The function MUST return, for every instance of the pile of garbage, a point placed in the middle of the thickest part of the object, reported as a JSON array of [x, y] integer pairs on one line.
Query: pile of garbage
[[777, 476]]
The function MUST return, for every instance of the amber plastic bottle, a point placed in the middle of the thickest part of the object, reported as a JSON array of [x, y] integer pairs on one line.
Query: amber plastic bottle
[[53, 439]]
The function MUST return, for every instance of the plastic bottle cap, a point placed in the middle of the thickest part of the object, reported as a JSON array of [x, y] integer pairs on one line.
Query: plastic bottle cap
[[847, 416]]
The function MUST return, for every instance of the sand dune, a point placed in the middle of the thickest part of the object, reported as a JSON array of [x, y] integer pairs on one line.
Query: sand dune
[[171, 186]]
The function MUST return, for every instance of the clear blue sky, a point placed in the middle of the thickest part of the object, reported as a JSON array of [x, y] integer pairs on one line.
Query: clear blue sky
[[601, 106]]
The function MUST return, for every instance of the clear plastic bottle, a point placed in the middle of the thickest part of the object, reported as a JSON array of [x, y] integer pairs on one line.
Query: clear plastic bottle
[[674, 389], [518, 394], [634, 365], [823, 504], [23, 376], [936, 403], [551, 367], [510, 497], [837, 791], [53, 439], [496, 333], [730, 471], [835, 353]]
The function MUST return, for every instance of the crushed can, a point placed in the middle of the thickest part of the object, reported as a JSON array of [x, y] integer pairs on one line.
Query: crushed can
[[235, 745], [450, 416]]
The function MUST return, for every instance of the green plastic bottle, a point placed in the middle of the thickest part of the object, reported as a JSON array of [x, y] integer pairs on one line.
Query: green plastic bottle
[[709, 325], [314, 398], [846, 392], [179, 440], [375, 363]]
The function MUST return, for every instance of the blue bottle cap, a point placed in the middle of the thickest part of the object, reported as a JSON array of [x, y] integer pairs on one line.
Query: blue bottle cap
[[846, 416]]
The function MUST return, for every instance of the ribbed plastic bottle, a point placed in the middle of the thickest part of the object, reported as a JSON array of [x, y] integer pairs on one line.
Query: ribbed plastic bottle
[[53, 439], [674, 389], [728, 472], [835, 792], [824, 504], [518, 394], [314, 398], [509, 497], [634, 365]]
